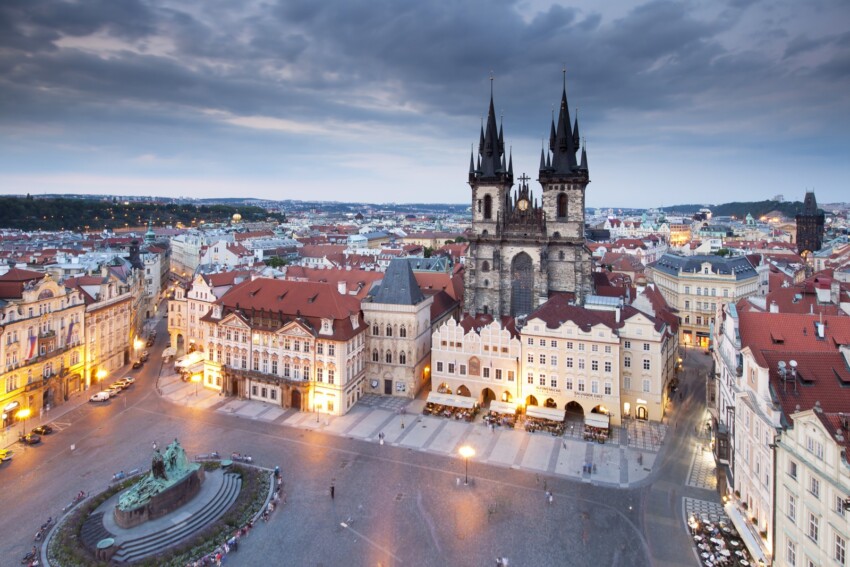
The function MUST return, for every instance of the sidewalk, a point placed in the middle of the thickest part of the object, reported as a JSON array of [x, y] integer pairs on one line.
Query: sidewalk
[[627, 459]]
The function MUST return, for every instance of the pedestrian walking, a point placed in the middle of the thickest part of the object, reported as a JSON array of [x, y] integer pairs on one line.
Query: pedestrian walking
[[551, 498], [154, 445], [332, 491], [564, 443]]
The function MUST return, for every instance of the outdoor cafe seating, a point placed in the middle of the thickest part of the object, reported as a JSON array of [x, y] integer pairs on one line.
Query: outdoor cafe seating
[[447, 405]]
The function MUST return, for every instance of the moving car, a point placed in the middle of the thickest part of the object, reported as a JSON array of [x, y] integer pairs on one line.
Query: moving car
[[43, 429], [30, 439], [144, 357], [6, 455], [137, 364], [100, 397]]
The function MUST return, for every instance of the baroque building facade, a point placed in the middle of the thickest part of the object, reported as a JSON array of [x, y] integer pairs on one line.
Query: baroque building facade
[[525, 248], [42, 325]]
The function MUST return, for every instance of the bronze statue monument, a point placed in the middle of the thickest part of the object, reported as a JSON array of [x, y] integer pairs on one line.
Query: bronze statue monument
[[171, 483]]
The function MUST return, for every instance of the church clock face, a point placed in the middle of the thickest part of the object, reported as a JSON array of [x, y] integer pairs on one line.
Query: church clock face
[[522, 204]]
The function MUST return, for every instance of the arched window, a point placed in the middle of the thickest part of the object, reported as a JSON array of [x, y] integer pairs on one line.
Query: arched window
[[375, 355], [485, 267], [402, 332], [402, 358], [376, 330], [389, 330], [389, 357], [486, 309], [561, 255], [562, 205], [486, 283], [488, 207], [522, 284]]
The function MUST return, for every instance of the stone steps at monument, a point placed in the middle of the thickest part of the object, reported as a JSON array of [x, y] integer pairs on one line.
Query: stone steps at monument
[[93, 530], [150, 544]]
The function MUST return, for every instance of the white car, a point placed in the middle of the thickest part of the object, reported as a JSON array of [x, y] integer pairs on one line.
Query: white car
[[5, 455], [126, 381], [100, 397]]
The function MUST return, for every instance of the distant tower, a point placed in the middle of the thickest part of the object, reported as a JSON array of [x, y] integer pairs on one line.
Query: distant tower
[[150, 236], [809, 226]]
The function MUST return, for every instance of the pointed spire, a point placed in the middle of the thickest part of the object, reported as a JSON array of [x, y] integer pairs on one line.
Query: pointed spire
[[511, 163], [471, 161], [492, 146], [542, 154], [583, 165], [562, 140], [576, 137]]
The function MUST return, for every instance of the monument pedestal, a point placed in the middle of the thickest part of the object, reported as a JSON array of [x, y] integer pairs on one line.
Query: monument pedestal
[[163, 503]]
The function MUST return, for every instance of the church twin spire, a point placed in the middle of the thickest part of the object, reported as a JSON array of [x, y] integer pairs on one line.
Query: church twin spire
[[560, 160]]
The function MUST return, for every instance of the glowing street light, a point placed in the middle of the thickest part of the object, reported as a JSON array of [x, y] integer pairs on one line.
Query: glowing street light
[[466, 452], [22, 416], [100, 375], [196, 378]]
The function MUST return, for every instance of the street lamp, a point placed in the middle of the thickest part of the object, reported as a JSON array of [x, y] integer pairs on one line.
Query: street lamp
[[196, 378], [22, 416], [466, 452], [137, 345], [101, 374]]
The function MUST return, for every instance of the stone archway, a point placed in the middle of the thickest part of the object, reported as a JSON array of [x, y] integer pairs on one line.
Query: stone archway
[[531, 401], [295, 401], [507, 397], [575, 408], [462, 390], [550, 403], [487, 396]]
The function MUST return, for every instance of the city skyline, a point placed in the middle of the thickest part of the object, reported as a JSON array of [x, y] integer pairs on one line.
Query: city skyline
[[342, 103]]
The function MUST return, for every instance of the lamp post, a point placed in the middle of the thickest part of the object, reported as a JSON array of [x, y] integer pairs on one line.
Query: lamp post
[[137, 345], [466, 452], [22, 416], [100, 375], [196, 378]]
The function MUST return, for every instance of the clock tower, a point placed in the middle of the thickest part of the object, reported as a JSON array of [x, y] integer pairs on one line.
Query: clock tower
[[524, 247]]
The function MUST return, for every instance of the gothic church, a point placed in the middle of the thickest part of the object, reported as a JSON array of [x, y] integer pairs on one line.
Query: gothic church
[[525, 248]]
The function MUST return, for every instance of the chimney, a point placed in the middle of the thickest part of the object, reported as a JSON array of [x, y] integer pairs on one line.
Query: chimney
[[774, 308], [617, 315], [342, 287], [834, 292]]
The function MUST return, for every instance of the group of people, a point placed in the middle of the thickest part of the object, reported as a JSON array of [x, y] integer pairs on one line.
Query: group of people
[[232, 543], [467, 414]]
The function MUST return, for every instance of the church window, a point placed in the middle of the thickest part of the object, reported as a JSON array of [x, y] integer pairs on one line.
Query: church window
[[486, 283], [402, 358], [485, 267], [389, 357], [561, 255], [389, 331], [376, 330], [522, 284], [488, 206], [402, 332], [562, 205], [375, 355]]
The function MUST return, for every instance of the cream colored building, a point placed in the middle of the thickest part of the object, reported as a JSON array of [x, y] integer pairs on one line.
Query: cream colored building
[[603, 358], [695, 285], [291, 344], [477, 357], [813, 491], [398, 316], [41, 343]]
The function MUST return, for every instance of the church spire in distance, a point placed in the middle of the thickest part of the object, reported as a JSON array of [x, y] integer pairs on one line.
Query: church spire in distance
[[491, 147]]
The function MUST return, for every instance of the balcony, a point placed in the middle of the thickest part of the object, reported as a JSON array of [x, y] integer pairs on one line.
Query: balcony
[[263, 377]]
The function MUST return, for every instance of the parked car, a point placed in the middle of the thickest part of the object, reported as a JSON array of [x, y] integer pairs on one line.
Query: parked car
[[114, 390], [144, 357], [30, 439], [137, 364], [128, 380], [43, 429], [100, 397], [6, 455]]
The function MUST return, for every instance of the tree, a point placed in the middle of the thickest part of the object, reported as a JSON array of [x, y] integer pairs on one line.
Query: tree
[[723, 252], [275, 262], [427, 251]]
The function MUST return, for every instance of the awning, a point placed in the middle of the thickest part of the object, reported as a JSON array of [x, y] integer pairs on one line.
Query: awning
[[170, 351], [503, 407], [600, 420], [552, 414], [746, 533], [189, 359], [11, 406], [450, 400]]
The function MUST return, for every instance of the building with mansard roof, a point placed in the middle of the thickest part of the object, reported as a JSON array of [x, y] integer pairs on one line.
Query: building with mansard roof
[[524, 247]]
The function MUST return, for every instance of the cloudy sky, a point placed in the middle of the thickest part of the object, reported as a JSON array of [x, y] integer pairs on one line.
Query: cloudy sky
[[380, 100]]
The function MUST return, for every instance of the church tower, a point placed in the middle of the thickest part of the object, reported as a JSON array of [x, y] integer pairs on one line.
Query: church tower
[[523, 246], [810, 225]]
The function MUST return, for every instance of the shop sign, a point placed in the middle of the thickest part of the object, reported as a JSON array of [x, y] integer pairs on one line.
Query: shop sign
[[11, 406], [588, 396]]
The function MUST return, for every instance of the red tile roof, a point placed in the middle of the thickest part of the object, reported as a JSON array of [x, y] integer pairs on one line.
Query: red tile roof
[[476, 323], [797, 330]]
